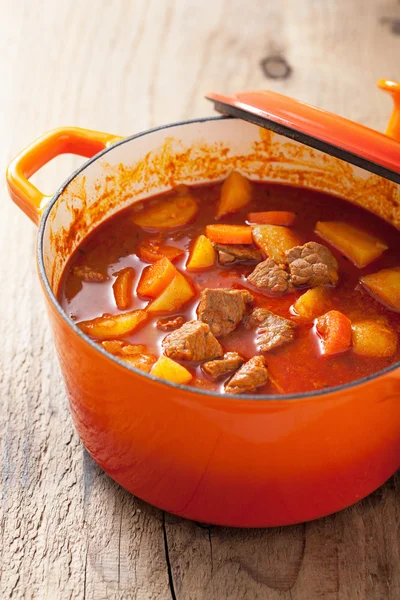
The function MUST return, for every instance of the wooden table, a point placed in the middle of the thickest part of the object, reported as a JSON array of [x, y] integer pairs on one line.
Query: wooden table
[[68, 531]]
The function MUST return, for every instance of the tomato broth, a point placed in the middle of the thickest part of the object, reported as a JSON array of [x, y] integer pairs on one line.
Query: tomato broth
[[294, 367]]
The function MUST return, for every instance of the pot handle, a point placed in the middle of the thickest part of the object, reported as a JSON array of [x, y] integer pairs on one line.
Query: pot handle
[[64, 140], [393, 88]]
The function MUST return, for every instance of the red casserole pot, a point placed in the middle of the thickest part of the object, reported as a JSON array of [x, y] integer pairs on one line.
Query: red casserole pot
[[244, 461]]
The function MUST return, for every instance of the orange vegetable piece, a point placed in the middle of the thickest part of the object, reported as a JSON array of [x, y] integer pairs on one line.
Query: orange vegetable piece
[[384, 286], [275, 240], [313, 302], [156, 278], [113, 346], [144, 362], [168, 369], [175, 295], [122, 288], [374, 338], [132, 349], [272, 217], [229, 234], [202, 255], [151, 253], [334, 329], [118, 347], [113, 326], [235, 193], [166, 213], [354, 243]]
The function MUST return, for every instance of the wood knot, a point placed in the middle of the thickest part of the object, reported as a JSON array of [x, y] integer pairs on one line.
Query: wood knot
[[393, 23], [276, 67]]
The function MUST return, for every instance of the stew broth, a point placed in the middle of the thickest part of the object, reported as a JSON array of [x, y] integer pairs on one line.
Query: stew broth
[[298, 366]]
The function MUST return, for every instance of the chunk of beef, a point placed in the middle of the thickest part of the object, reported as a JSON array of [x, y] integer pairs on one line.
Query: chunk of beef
[[87, 273], [250, 376], [272, 331], [229, 253], [231, 361], [192, 341], [312, 264], [270, 276], [222, 309], [170, 323]]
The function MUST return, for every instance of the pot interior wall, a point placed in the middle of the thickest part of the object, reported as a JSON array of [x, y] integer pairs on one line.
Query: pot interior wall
[[198, 152]]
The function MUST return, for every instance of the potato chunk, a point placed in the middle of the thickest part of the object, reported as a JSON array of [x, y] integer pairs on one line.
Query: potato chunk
[[109, 327], [144, 362], [175, 295], [275, 240], [166, 213], [313, 303], [384, 286], [374, 338], [357, 245], [119, 347], [202, 255], [168, 369], [235, 193]]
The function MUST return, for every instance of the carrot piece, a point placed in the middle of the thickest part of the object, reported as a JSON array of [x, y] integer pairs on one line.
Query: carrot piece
[[229, 234], [151, 253], [272, 217], [109, 327], [335, 331], [122, 288], [156, 278]]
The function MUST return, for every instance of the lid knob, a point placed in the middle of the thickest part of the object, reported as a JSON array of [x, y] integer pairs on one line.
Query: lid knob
[[393, 88]]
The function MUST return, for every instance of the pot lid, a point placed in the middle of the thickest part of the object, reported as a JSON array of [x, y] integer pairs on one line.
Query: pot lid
[[350, 141]]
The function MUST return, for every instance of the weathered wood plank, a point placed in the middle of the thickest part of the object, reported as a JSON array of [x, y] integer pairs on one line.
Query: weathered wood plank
[[121, 66]]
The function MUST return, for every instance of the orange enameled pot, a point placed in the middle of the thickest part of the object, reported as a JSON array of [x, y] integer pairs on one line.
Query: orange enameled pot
[[242, 461]]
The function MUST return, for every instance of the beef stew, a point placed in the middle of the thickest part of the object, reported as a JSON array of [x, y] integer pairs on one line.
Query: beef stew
[[241, 288]]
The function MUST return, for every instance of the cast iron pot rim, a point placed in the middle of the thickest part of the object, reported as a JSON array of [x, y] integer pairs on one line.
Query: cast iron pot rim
[[121, 363]]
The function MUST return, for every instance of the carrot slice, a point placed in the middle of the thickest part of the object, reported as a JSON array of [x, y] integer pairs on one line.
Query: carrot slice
[[109, 327], [122, 288], [156, 278], [272, 217], [151, 253], [229, 234], [335, 331]]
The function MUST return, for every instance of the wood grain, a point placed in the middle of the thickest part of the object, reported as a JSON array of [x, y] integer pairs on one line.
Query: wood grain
[[68, 531]]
